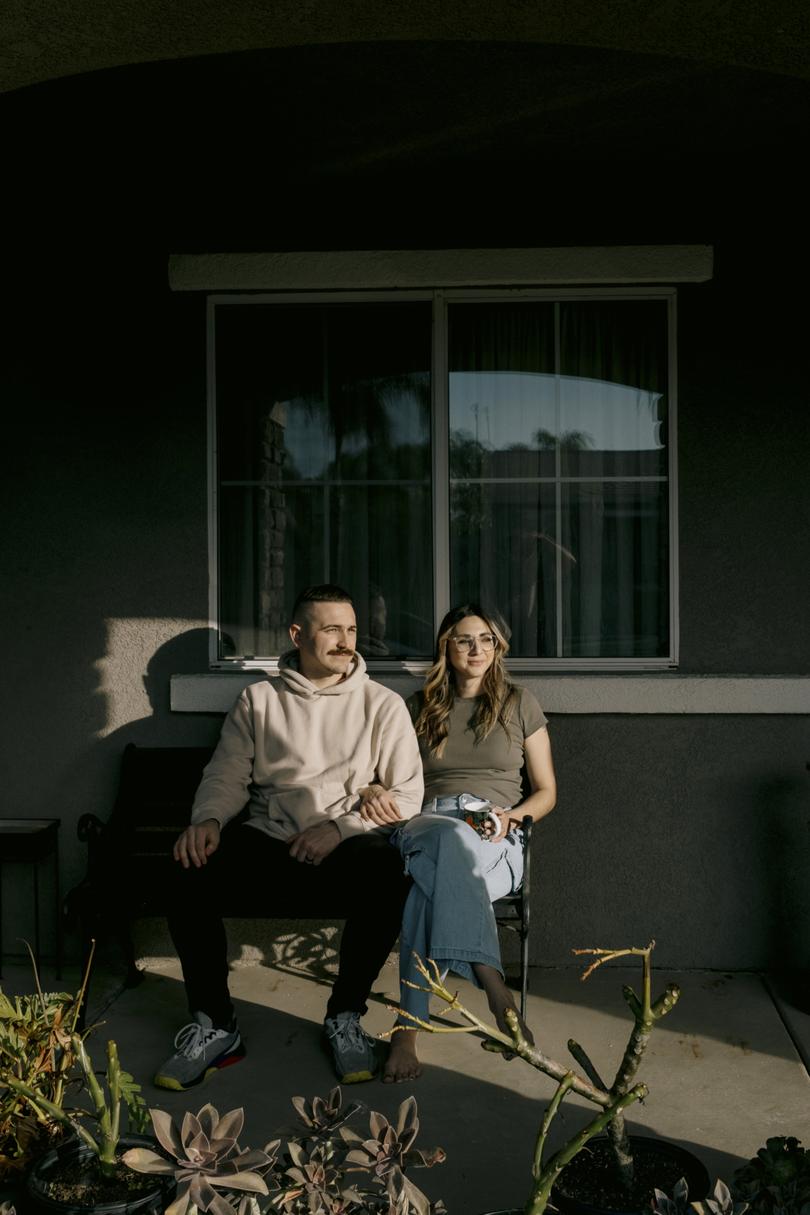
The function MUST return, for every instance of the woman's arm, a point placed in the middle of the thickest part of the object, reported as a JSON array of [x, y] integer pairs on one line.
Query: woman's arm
[[542, 781]]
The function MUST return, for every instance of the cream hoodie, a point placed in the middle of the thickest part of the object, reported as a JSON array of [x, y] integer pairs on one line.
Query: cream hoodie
[[298, 754]]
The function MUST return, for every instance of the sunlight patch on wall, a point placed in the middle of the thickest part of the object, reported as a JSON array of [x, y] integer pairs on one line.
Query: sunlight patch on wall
[[134, 673]]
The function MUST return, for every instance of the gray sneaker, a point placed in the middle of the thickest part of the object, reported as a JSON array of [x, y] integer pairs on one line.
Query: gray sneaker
[[354, 1052], [200, 1050]]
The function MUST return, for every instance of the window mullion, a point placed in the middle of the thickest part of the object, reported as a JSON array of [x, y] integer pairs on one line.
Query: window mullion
[[440, 445], [327, 497], [672, 472], [215, 572], [558, 484]]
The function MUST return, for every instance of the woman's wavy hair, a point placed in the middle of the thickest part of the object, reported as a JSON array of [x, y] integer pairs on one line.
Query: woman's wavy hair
[[497, 697]]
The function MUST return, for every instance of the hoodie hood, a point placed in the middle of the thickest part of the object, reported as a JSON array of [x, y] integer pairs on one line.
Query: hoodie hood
[[288, 670]]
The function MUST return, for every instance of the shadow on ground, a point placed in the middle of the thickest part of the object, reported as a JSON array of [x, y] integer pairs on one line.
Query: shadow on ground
[[723, 1075]]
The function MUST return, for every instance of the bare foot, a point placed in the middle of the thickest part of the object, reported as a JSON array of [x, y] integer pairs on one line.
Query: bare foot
[[402, 1063], [500, 998]]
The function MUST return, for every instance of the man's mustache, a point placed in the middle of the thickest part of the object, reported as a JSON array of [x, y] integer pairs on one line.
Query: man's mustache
[[347, 653]]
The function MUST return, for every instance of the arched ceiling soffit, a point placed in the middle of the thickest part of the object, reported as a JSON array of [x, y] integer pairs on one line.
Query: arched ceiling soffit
[[40, 41]]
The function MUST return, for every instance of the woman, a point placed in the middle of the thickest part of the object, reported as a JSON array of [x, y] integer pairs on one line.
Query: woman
[[476, 732]]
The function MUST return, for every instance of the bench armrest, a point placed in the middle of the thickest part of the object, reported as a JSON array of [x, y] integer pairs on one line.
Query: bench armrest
[[89, 827]]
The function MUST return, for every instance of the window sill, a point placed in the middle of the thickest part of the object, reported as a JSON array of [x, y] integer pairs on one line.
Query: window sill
[[618, 692]]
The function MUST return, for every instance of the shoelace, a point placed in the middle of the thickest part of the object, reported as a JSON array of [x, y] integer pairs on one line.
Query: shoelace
[[193, 1038], [349, 1033]]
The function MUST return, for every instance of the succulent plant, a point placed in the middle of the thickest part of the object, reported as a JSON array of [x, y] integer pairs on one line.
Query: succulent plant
[[206, 1158], [36, 1049], [388, 1151], [319, 1173], [326, 1168], [720, 1202], [322, 1115], [675, 1204], [317, 1181], [106, 1109], [777, 1180]]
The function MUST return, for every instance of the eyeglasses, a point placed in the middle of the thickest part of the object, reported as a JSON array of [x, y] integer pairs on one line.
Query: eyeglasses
[[484, 641]]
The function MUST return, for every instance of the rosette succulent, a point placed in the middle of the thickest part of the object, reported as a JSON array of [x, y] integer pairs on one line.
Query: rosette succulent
[[720, 1202], [777, 1180], [387, 1153], [323, 1115], [206, 1159], [332, 1170]]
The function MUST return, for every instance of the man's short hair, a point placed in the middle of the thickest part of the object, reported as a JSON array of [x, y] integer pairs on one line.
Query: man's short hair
[[326, 592]]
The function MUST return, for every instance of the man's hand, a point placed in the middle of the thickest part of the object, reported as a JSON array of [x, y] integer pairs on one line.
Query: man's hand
[[314, 845], [197, 843]]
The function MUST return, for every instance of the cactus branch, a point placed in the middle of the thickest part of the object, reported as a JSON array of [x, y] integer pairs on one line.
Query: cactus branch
[[639, 1036], [114, 1088], [613, 1100], [666, 1002], [513, 1041], [580, 1055], [609, 955], [645, 1015], [543, 1184], [551, 1111], [106, 1114], [632, 1001]]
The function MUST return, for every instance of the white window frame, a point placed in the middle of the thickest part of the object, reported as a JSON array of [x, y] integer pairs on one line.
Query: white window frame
[[441, 298]]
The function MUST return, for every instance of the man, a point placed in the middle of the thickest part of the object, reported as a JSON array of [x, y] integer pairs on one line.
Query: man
[[302, 750]]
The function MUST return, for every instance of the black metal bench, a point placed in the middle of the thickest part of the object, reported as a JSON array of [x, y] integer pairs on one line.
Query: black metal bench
[[130, 856]]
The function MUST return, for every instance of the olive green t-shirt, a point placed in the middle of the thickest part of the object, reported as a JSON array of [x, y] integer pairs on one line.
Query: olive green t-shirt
[[489, 769]]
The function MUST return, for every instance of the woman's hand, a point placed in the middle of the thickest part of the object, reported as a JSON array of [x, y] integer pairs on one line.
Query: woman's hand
[[507, 822], [378, 806]]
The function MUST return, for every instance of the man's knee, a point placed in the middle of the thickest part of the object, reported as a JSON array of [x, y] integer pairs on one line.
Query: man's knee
[[371, 861]]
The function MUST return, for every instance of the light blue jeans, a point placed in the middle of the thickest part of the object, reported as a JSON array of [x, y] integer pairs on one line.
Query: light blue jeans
[[457, 876]]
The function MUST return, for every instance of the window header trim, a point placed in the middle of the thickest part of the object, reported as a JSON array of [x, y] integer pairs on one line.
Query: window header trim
[[397, 269]]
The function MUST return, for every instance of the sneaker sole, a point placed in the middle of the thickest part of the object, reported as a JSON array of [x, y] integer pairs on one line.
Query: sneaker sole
[[177, 1086], [356, 1077]]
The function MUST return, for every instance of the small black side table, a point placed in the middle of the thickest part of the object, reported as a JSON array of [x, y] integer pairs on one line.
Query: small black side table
[[31, 841]]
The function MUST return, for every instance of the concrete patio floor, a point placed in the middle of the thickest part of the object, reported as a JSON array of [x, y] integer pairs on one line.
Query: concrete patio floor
[[723, 1069]]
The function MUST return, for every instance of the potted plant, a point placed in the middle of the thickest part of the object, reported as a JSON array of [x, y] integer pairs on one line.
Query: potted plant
[[619, 1171], [85, 1172], [777, 1180], [324, 1166], [36, 1048]]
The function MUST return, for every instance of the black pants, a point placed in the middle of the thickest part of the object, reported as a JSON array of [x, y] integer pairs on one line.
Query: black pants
[[362, 881]]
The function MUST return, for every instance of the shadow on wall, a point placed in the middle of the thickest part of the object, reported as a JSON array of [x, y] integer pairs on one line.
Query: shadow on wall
[[124, 679], [128, 691], [90, 727]]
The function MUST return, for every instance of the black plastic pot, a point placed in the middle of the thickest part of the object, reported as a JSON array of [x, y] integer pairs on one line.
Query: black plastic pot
[[670, 1154], [10, 1193], [688, 1166], [39, 1202]]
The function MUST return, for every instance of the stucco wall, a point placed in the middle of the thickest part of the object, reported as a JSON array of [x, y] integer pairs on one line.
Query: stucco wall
[[694, 830]]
